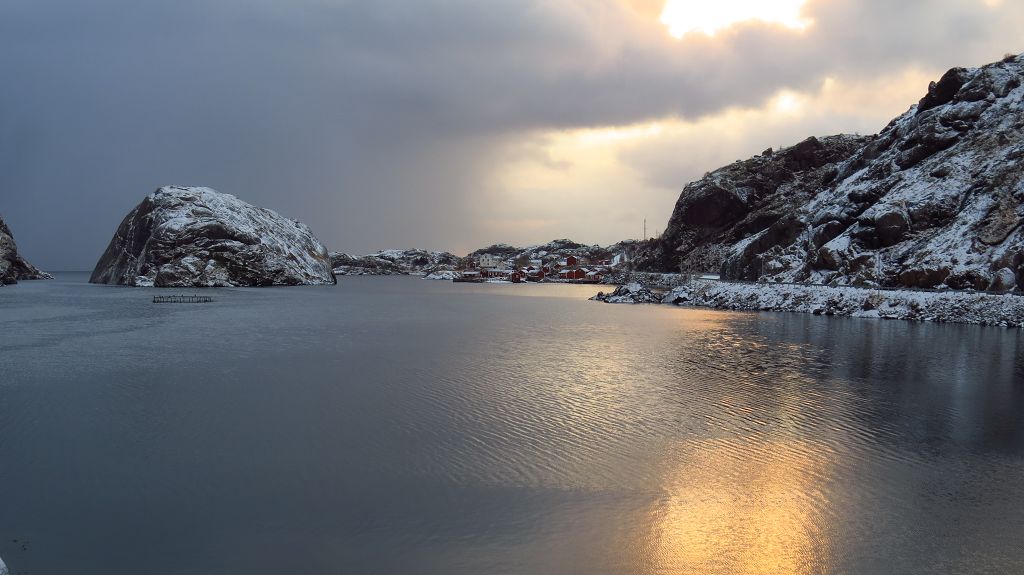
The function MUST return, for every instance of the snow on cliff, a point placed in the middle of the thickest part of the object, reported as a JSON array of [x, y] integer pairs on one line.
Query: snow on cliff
[[12, 266], [198, 237], [935, 200]]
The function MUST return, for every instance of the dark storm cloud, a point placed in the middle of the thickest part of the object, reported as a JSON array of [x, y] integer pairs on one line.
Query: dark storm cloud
[[379, 122]]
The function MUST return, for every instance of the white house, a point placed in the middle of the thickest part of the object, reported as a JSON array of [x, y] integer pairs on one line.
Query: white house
[[487, 261]]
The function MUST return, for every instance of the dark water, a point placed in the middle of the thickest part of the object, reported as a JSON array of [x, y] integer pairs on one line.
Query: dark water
[[394, 425]]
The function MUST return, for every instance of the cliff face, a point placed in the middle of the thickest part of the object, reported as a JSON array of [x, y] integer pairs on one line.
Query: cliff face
[[12, 266], [730, 204], [934, 200], [197, 237]]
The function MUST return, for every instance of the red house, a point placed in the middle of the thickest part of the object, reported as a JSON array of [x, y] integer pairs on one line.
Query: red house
[[572, 274]]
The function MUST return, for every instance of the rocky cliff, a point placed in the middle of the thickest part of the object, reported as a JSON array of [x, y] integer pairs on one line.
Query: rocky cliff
[[12, 266], [935, 200], [198, 237]]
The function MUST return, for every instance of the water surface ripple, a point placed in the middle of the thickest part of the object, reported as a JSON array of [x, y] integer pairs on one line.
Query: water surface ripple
[[393, 425]]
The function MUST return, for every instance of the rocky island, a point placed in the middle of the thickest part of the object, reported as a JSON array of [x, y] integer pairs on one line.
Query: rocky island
[[198, 237], [13, 267]]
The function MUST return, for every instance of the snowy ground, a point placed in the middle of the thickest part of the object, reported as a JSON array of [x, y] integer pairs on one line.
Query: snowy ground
[[444, 275], [950, 307]]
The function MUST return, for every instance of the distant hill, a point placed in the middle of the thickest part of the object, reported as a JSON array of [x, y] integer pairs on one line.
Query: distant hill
[[415, 261], [393, 262]]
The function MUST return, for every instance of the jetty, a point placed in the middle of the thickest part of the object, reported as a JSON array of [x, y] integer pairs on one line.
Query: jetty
[[182, 299]]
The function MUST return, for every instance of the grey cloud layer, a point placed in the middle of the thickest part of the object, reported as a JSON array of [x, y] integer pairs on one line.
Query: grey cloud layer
[[378, 122]]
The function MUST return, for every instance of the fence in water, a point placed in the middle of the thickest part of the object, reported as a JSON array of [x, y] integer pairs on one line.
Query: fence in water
[[182, 299]]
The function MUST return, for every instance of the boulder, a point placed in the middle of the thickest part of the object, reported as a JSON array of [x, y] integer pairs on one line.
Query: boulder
[[198, 237], [1003, 280], [629, 293], [891, 227], [943, 91], [923, 277]]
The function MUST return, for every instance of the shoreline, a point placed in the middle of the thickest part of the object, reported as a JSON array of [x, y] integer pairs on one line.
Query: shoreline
[[1002, 310]]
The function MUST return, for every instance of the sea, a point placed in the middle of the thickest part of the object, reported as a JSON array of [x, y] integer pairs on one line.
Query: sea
[[397, 425]]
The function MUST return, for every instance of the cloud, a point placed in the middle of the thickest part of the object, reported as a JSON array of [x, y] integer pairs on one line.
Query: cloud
[[394, 123]]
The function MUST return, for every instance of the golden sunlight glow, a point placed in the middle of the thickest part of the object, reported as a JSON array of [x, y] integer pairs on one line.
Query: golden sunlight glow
[[787, 102], [700, 16], [756, 512], [560, 182]]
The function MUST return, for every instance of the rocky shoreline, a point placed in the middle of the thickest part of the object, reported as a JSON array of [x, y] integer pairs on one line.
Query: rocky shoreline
[[1004, 310]]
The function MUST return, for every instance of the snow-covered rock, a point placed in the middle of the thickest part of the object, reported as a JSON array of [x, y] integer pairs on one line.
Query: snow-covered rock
[[629, 293], [3, 568], [12, 266], [192, 237], [349, 265], [935, 199], [443, 275]]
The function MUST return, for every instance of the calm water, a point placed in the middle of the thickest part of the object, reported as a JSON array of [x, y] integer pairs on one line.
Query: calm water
[[394, 425]]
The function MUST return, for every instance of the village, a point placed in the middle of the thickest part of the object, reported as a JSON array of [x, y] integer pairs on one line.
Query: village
[[570, 269]]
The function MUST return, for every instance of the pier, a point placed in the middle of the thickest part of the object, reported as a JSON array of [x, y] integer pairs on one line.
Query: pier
[[182, 299]]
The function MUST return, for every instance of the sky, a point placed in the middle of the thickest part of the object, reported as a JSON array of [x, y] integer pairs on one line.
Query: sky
[[441, 124]]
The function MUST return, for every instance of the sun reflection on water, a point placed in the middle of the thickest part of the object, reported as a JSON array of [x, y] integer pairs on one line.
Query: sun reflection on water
[[750, 510]]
